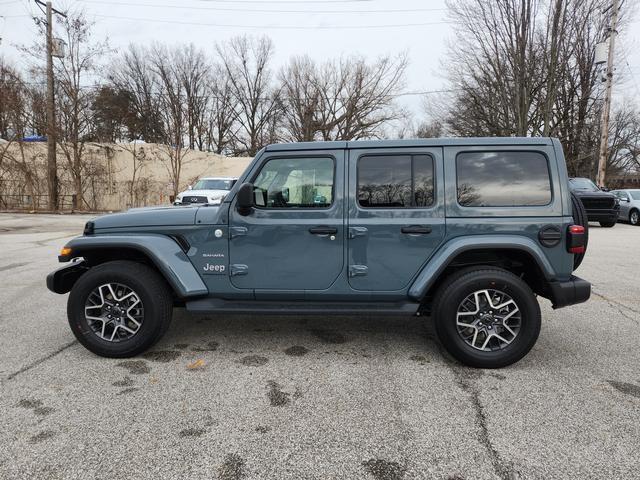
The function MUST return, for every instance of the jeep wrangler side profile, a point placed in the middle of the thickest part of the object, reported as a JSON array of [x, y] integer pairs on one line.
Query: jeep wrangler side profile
[[466, 231]]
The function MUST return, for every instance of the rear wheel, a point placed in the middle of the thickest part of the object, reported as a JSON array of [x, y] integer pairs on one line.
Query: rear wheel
[[634, 217], [486, 317], [580, 218], [119, 309]]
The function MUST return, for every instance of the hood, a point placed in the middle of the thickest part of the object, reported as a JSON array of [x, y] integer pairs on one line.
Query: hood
[[597, 194], [203, 193], [148, 217]]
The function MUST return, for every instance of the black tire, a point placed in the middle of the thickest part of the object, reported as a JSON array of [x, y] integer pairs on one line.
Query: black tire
[[580, 218], [635, 223], [149, 286], [461, 284], [607, 224]]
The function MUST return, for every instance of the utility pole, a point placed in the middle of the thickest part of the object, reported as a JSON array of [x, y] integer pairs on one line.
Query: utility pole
[[52, 164], [604, 124]]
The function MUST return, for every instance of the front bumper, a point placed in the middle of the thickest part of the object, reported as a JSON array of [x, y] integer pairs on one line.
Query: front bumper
[[563, 294], [62, 279], [603, 215]]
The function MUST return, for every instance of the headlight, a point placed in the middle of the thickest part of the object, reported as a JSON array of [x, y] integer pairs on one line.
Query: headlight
[[215, 200]]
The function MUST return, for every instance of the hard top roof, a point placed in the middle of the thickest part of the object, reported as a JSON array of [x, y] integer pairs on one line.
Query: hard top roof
[[418, 142]]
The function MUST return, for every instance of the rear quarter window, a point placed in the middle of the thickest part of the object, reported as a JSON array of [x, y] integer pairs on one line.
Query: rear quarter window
[[503, 179]]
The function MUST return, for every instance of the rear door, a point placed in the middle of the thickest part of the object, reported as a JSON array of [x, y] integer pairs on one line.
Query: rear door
[[396, 214]]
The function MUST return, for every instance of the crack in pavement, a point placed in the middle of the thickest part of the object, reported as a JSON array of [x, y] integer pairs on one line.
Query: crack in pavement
[[40, 361], [12, 265], [464, 377], [618, 306], [465, 380]]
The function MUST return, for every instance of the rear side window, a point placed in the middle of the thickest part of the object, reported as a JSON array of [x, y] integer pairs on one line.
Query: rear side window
[[395, 181], [503, 179]]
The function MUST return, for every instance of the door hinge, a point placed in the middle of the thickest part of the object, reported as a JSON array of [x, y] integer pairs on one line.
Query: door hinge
[[238, 269], [238, 231], [357, 232], [357, 270]]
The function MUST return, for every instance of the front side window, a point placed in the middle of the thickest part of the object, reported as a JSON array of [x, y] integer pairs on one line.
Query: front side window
[[395, 181], [503, 179], [635, 194], [295, 183]]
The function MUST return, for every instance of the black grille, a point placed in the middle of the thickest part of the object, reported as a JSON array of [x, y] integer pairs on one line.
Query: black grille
[[598, 203], [193, 199]]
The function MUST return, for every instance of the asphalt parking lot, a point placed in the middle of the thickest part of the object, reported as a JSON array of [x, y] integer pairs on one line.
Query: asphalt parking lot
[[249, 397]]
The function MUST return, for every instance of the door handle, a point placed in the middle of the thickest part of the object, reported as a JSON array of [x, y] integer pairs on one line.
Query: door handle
[[416, 230], [322, 230]]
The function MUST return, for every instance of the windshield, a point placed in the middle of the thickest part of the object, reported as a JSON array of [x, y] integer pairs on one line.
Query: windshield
[[214, 184], [583, 184], [635, 194]]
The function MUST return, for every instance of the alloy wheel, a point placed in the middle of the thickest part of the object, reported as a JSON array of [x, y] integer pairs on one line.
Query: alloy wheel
[[114, 312], [488, 320]]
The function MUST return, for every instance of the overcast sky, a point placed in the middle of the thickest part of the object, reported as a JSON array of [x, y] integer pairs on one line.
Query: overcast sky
[[368, 27]]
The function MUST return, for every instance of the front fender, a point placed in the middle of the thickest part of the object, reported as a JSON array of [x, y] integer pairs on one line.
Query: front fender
[[445, 254], [164, 252]]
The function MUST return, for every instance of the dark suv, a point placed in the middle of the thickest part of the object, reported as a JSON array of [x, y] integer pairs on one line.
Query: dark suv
[[466, 231], [601, 206]]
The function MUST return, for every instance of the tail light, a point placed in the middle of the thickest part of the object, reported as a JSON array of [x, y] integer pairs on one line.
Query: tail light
[[576, 239]]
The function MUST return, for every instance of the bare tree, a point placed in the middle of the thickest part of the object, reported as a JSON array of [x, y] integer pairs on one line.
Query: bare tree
[[302, 98], [173, 113], [138, 162], [246, 61], [75, 122], [358, 97], [15, 159], [193, 72], [346, 99], [222, 113], [526, 67], [624, 155], [131, 73]]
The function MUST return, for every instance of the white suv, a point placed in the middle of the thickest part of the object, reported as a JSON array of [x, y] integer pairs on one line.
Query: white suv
[[210, 190]]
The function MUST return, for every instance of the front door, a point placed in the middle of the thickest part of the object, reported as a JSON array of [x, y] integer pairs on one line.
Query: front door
[[293, 239], [396, 215]]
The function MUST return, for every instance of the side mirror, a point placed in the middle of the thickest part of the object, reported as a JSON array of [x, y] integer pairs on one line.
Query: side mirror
[[625, 199], [245, 200], [189, 187]]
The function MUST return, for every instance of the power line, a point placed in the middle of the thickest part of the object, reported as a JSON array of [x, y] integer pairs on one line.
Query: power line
[[287, 1], [633, 77], [101, 85], [261, 10], [281, 27]]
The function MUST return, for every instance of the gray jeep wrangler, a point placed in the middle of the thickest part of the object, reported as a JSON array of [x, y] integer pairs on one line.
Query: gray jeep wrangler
[[466, 231]]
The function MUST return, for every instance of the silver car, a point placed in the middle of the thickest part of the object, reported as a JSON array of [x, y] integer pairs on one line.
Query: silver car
[[629, 205]]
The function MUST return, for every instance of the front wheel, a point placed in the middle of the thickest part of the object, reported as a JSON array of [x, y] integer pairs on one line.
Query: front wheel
[[119, 309], [486, 317], [634, 218]]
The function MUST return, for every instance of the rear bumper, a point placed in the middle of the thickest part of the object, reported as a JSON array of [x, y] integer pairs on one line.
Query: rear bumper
[[61, 280], [563, 294]]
